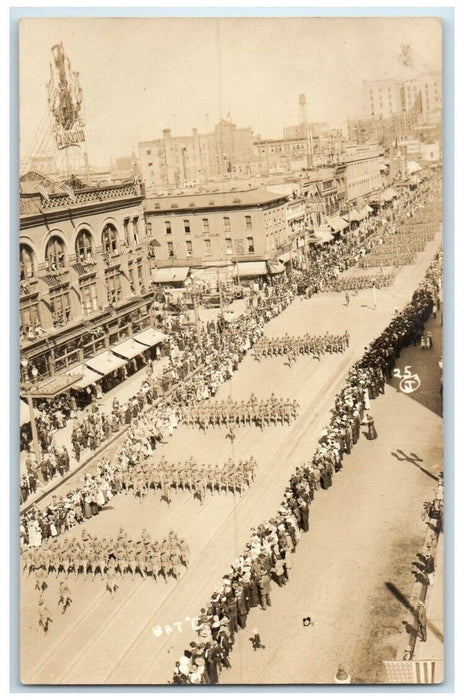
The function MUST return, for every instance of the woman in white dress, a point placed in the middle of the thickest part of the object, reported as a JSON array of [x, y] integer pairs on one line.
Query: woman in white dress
[[367, 402], [100, 496], [34, 534]]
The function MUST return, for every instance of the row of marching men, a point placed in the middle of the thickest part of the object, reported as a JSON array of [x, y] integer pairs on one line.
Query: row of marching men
[[307, 344], [198, 479], [251, 412], [89, 556]]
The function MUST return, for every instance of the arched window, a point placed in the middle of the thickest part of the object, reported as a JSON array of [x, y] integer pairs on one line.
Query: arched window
[[84, 247], [26, 262], [110, 239], [55, 254]]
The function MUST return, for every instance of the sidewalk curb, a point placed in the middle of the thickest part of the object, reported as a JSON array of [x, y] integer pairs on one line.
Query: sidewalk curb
[[104, 446], [407, 645]]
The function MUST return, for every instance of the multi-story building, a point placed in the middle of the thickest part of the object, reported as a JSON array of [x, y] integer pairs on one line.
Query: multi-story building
[[423, 93], [187, 161], [320, 191], [385, 132], [361, 172], [297, 227], [85, 280], [234, 149], [382, 98], [420, 93], [302, 146], [203, 230]]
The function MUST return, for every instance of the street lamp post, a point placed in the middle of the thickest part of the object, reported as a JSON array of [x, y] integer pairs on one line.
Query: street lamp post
[[219, 284], [46, 390], [197, 317], [35, 436]]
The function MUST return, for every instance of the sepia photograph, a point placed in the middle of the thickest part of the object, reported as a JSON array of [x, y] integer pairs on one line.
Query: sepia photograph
[[231, 351]]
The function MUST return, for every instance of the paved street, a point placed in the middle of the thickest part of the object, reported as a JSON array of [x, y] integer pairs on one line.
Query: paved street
[[124, 391], [376, 497], [363, 538]]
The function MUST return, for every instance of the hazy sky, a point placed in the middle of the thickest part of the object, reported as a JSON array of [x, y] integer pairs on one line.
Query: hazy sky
[[140, 76]]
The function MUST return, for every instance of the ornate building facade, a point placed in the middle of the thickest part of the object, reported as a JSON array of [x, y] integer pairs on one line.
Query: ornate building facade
[[84, 275]]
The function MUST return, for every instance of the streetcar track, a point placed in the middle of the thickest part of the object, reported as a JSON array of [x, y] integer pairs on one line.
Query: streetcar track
[[301, 426], [277, 459], [172, 514], [64, 638], [298, 428], [84, 649]]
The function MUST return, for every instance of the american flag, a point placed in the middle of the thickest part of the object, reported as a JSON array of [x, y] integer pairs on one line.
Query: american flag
[[69, 191], [42, 191], [423, 672]]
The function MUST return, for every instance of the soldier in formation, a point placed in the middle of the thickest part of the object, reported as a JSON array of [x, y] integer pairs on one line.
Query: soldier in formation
[[89, 556], [267, 555], [198, 478], [307, 344], [261, 413]]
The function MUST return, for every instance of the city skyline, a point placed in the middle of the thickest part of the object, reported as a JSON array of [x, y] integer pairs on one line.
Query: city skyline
[[278, 64]]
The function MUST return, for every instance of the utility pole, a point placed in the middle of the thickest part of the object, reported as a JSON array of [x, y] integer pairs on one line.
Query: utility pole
[[35, 437], [309, 139], [221, 304], [197, 318]]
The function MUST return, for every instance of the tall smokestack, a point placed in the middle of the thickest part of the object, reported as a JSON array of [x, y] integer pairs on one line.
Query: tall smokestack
[[302, 103]]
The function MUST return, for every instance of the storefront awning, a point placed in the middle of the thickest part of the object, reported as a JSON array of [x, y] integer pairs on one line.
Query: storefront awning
[[24, 415], [128, 348], [252, 269], [353, 215], [105, 363], [364, 212], [285, 257], [322, 236], [170, 274], [88, 376], [388, 194], [275, 267], [150, 337], [413, 167], [337, 224]]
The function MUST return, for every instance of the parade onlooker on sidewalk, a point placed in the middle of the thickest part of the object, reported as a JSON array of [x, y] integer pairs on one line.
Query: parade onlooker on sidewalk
[[429, 567], [421, 621], [371, 431], [256, 640]]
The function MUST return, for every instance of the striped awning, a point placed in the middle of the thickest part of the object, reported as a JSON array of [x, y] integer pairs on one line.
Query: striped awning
[[128, 348], [275, 267], [353, 215], [105, 363], [170, 274], [252, 269], [337, 224], [150, 337], [88, 376]]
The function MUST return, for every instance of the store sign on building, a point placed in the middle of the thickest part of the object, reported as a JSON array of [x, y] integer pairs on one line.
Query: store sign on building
[[239, 246], [65, 100]]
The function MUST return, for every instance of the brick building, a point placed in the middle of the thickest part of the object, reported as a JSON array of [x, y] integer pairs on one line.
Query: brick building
[[187, 161], [203, 230], [84, 276]]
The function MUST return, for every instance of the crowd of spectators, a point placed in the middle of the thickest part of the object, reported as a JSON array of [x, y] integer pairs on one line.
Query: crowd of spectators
[[266, 557]]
